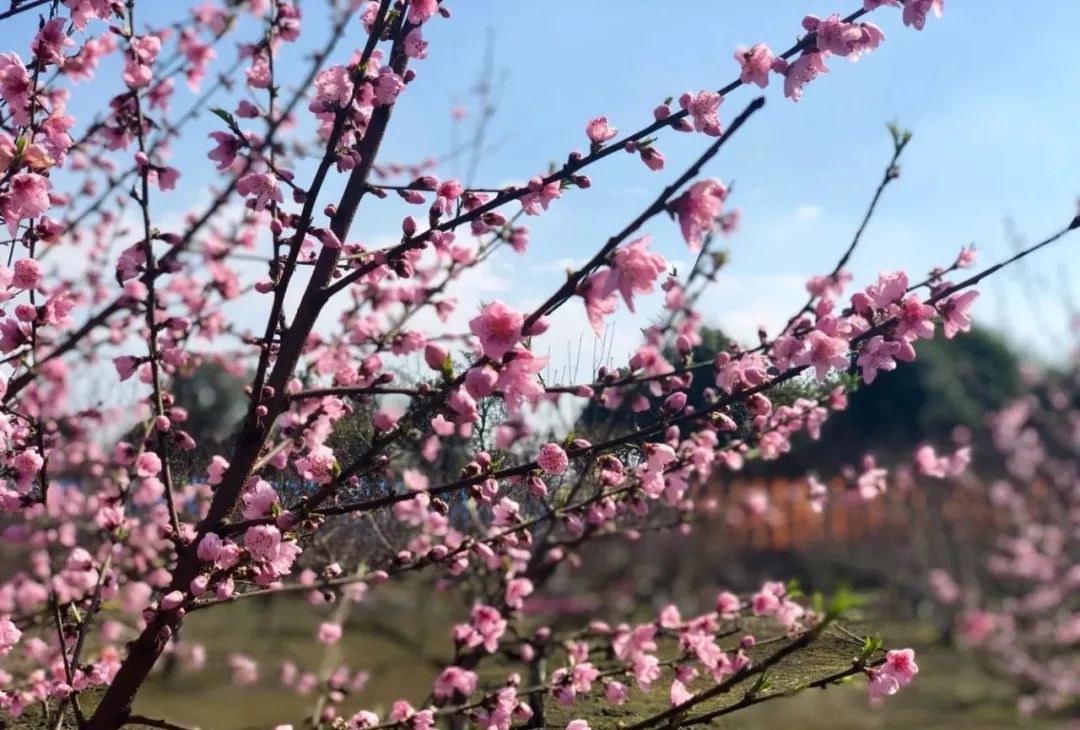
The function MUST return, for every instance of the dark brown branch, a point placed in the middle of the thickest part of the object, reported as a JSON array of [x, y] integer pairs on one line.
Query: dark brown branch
[[151, 722], [752, 699], [572, 166], [17, 8]]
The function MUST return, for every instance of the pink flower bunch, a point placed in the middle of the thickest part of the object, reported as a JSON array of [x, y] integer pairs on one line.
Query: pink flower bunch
[[698, 210], [897, 671]]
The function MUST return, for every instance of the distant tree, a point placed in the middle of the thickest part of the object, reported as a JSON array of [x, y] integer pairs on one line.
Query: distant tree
[[952, 383], [213, 398], [596, 416], [596, 419]]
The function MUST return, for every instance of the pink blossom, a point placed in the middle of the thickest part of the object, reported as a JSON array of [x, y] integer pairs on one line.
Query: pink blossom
[[209, 547], [7, 152], [675, 402], [262, 541], [540, 196], [27, 274], [634, 271], [319, 465], [454, 680], [764, 603], [599, 131], [50, 42], [954, 313], [704, 109], [928, 463], [333, 90], [819, 494], [260, 186], [698, 209], [842, 38], [143, 53], [944, 587], [915, 11], [652, 157], [415, 45], [882, 684], [800, 72], [872, 482], [216, 471], [900, 663], [363, 719], [679, 693], [227, 148], [616, 692], [517, 589], [552, 459], [977, 626], [329, 632], [258, 74], [916, 319], [824, 352], [755, 63], [9, 636], [877, 354], [646, 670], [384, 420], [727, 605], [258, 500], [487, 626], [387, 86], [27, 197], [499, 328], [148, 464], [244, 669], [966, 258], [421, 10], [597, 304], [505, 512], [435, 356], [519, 379], [172, 600], [481, 381], [889, 289]]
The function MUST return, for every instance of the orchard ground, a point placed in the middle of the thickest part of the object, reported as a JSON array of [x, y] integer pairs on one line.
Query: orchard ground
[[951, 691]]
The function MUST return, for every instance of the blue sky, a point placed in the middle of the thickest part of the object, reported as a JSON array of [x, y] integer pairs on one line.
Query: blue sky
[[990, 92]]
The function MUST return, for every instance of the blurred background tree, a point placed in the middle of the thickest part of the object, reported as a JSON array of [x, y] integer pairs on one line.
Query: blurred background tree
[[952, 383], [213, 398]]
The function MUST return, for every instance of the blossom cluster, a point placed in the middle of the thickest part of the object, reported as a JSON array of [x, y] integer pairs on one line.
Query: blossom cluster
[[451, 473]]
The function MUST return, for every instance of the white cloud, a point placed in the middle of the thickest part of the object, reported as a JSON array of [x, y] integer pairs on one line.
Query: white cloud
[[807, 212], [741, 303]]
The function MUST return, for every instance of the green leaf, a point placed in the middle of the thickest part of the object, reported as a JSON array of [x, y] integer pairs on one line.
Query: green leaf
[[900, 136], [871, 644], [843, 600], [224, 115]]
